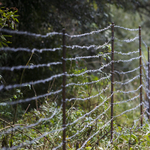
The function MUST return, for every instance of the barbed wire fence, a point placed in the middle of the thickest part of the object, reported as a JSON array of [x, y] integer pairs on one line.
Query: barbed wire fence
[[100, 117]]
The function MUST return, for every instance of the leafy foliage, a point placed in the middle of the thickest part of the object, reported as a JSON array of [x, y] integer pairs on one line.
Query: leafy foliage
[[135, 137], [8, 18]]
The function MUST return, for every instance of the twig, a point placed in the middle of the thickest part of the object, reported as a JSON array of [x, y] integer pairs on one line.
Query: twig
[[36, 101], [26, 110], [50, 87], [25, 68]]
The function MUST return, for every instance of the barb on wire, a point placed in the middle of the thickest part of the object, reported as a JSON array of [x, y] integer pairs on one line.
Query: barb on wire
[[89, 71], [87, 83], [128, 60], [126, 28], [127, 92], [90, 33], [29, 66], [30, 99], [88, 47], [30, 50], [87, 98], [129, 53], [29, 33], [129, 81], [126, 71], [7, 87], [128, 40], [88, 57], [125, 101]]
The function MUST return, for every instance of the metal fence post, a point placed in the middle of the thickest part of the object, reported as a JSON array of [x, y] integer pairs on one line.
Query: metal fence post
[[112, 79], [141, 108], [64, 91], [148, 93]]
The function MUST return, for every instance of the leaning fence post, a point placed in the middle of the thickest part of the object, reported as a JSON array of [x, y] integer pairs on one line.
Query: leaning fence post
[[112, 79], [64, 91], [141, 108], [148, 93]]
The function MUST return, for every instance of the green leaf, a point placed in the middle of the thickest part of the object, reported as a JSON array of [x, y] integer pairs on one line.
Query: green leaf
[[95, 5], [15, 96], [3, 38], [7, 35], [134, 137], [88, 148]]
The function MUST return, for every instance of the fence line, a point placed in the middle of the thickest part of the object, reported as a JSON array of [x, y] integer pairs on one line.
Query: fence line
[[109, 90]]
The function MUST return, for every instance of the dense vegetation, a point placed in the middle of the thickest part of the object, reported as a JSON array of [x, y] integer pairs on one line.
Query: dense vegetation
[[76, 16]]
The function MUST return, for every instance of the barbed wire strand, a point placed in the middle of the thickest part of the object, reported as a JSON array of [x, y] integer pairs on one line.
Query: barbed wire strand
[[127, 92], [69, 138], [90, 33], [127, 82], [129, 53], [56, 111], [128, 100], [129, 29], [127, 40], [31, 66], [87, 83], [29, 33], [97, 56], [83, 145], [87, 98], [30, 50], [69, 124], [95, 120], [68, 75], [7, 87], [30, 99], [130, 71], [56, 92], [96, 47], [88, 124]]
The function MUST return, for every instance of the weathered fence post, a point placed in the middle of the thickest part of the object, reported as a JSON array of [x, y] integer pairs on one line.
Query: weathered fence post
[[64, 91], [112, 79], [141, 108], [148, 93]]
